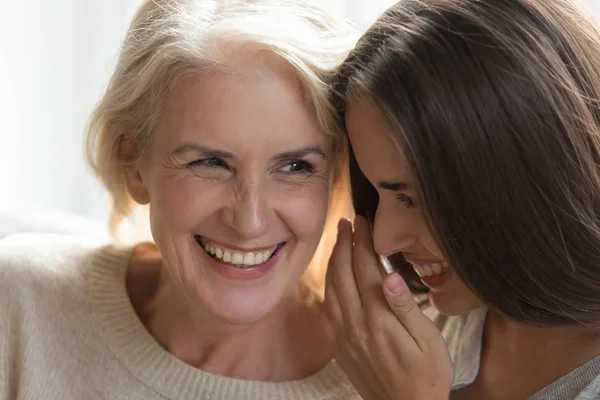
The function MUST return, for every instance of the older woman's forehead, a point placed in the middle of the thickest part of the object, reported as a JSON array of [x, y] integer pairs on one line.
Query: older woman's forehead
[[265, 107]]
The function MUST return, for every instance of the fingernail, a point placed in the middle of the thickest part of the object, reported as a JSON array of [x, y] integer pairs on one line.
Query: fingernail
[[343, 224], [394, 284]]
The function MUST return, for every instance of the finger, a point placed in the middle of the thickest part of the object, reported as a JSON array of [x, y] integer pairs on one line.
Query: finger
[[331, 309], [342, 276], [366, 265], [330, 317], [403, 305]]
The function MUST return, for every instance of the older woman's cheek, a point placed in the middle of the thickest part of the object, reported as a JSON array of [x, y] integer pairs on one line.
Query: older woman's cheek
[[305, 207]]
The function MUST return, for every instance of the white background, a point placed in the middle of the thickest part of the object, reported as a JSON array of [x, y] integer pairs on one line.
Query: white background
[[55, 58]]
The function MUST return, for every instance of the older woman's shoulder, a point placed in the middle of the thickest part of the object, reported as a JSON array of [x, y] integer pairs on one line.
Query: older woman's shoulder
[[32, 260]]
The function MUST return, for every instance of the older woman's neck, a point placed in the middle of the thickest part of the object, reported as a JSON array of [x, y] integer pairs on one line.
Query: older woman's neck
[[287, 344]]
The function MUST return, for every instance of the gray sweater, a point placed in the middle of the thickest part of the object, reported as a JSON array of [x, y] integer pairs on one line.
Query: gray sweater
[[464, 336]]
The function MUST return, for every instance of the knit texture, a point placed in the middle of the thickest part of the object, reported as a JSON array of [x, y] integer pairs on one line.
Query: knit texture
[[68, 331]]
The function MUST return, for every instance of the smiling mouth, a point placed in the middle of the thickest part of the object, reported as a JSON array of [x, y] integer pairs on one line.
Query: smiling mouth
[[237, 258], [431, 269]]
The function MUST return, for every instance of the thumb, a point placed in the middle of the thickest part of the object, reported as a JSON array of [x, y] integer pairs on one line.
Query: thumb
[[420, 327], [400, 299]]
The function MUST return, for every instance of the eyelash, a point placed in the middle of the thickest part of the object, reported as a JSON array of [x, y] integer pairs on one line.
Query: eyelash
[[305, 167], [407, 200], [212, 162]]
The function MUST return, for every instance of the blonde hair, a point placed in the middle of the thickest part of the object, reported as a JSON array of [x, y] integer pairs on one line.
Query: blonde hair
[[169, 39]]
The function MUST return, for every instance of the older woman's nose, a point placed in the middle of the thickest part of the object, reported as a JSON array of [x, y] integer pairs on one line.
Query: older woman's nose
[[248, 212]]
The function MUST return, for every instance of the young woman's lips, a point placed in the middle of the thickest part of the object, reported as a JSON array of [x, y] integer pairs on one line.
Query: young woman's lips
[[436, 281], [229, 270], [433, 274]]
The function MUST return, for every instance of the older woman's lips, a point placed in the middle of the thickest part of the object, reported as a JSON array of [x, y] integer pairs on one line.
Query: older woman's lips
[[234, 263]]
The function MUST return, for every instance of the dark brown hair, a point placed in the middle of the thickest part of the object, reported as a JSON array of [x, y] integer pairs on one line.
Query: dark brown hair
[[494, 106]]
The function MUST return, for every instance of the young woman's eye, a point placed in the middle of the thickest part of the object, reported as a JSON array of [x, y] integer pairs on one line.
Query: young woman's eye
[[298, 167], [407, 200], [209, 163]]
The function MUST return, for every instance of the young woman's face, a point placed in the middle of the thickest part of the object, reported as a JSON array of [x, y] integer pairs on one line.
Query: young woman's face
[[399, 225]]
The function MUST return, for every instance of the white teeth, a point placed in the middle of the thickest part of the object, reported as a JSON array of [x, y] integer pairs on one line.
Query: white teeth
[[237, 258], [259, 259], [428, 270], [425, 270], [249, 259]]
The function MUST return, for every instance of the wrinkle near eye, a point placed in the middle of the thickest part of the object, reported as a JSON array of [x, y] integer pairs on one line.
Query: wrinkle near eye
[[171, 162], [302, 186], [180, 176], [238, 191]]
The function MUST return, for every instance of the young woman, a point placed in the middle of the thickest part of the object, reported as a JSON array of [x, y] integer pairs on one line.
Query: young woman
[[475, 133]]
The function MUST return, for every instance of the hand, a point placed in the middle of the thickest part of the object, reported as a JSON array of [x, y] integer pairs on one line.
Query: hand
[[386, 346]]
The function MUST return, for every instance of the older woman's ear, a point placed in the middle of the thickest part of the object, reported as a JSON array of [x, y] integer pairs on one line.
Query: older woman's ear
[[128, 155]]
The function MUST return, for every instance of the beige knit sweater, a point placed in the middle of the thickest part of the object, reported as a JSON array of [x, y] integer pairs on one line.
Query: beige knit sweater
[[68, 331]]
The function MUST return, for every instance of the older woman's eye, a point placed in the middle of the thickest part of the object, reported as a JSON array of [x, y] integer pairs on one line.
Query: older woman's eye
[[298, 167], [209, 163]]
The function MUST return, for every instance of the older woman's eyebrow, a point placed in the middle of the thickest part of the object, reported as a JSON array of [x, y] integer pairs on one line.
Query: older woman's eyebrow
[[303, 152], [204, 150], [394, 186], [211, 152]]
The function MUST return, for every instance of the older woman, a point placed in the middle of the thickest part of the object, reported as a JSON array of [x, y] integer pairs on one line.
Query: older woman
[[218, 118]]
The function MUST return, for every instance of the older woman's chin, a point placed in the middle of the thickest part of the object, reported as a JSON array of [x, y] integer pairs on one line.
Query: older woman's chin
[[242, 295], [241, 309]]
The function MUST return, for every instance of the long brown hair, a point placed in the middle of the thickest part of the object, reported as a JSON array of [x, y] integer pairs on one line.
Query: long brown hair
[[494, 106]]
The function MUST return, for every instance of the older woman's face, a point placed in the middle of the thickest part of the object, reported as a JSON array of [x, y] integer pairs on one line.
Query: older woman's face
[[238, 179]]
